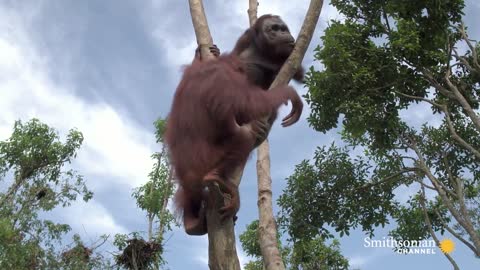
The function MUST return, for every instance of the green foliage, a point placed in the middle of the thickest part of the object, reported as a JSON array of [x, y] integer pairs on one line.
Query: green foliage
[[384, 57], [251, 245], [152, 197], [254, 265], [381, 48], [341, 192], [160, 127], [312, 254], [249, 240], [350, 192], [35, 158], [411, 221]]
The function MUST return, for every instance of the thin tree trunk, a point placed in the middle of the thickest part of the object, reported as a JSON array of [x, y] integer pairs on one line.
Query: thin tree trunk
[[202, 32], [267, 225], [252, 11], [151, 216], [221, 236], [150, 226], [161, 227]]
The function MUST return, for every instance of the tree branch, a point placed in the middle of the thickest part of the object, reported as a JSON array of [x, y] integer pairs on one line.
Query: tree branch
[[252, 11], [463, 61], [470, 45], [267, 226], [463, 210], [463, 102], [457, 137], [425, 185], [450, 126], [387, 179], [463, 220], [221, 236], [430, 229], [428, 76], [454, 233], [440, 106], [202, 32]]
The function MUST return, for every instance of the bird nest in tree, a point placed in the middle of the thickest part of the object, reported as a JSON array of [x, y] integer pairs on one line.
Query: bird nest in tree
[[77, 253], [139, 254]]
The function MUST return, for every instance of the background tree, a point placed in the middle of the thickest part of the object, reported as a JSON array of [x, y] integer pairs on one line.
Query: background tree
[[32, 168], [384, 62], [152, 197], [308, 255]]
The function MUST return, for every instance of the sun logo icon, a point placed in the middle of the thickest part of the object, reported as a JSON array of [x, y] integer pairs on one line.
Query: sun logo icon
[[447, 246]]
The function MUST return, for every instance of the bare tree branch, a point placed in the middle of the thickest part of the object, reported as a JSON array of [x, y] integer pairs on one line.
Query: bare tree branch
[[450, 126], [252, 11], [202, 32], [463, 102], [430, 229], [470, 45], [440, 106], [457, 137], [470, 228], [267, 229], [386, 179], [425, 185], [428, 76], [463, 61], [449, 173], [454, 233], [463, 220]]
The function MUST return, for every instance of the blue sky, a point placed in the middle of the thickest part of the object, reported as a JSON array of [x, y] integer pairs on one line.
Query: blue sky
[[110, 68]]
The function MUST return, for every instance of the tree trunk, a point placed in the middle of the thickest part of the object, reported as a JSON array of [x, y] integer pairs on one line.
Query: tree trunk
[[252, 11], [163, 210], [221, 237], [267, 225], [202, 32], [150, 226], [222, 251]]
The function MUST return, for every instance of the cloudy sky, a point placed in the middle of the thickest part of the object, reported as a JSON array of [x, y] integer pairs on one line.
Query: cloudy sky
[[110, 68]]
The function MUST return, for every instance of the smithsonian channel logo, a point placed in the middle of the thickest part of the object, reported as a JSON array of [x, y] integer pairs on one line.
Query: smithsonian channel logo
[[423, 247]]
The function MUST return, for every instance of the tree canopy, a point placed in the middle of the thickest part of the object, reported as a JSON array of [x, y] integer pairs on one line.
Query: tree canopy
[[34, 168], [385, 63]]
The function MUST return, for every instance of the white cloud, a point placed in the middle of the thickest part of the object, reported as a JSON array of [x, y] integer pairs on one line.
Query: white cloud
[[177, 53], [358, 261], [115, 149], [113, 145], [90, 217], [202, 256], [361, 261]]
